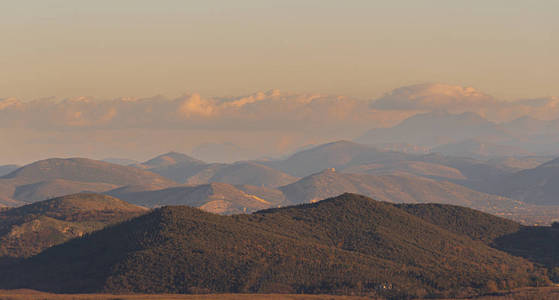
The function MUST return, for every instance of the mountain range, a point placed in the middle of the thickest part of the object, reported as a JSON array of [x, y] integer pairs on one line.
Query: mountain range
[[57, 177], [515, 187], [397, 188], [219, 198], [185, 169], [393, 188], [464, 133], [435, 129]]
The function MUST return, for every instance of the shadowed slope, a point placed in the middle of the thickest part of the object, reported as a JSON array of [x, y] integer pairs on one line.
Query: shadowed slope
[[462, 220], [29, 229], [539, 185], [218, 198], [6, 169], [54, 188]]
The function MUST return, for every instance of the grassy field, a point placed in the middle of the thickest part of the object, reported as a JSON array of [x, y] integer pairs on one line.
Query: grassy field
[[547, 293], [551, 293], [34, 295]]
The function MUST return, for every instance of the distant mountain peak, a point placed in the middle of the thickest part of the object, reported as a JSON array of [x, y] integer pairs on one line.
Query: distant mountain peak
[[433, 129], [170, 158]]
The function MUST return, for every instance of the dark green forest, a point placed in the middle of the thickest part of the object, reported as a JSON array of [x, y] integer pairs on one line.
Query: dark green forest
[[349, 244]]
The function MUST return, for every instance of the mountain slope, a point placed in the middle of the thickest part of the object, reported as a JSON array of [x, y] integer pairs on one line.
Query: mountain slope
[[393, 188], [219, 198], [342, 245], [539, 185], [84, 170], [462, 220], [181, 171], [6, 169], [418, 168], [170, 158], [340, 154], [29, 229], [120, 161], [433, 129], [57, 177], [240, 173], [54, 188], [174, 166], [351, 157], [477, 148]]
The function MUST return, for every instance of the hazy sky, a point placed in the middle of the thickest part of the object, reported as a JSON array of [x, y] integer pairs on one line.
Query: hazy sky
[[107, 49], [197, 75]]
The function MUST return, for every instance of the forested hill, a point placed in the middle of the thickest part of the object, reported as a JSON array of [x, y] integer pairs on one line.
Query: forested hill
[[29, 229], [347, 244]]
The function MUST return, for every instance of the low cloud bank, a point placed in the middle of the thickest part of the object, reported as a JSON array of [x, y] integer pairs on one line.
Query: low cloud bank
[[261, 124], [458, 99]]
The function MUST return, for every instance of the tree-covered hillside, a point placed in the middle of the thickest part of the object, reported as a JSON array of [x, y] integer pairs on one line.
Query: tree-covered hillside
[[348, 244]]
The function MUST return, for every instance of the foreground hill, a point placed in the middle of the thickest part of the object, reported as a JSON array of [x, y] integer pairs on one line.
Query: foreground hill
[[57, 177], [462, 220], [29, 229], [393, 188], [536, 243], [220, 198], [343, 245]]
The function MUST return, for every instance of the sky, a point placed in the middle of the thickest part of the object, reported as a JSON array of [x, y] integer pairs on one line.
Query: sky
[[260, 78], [355, 48]]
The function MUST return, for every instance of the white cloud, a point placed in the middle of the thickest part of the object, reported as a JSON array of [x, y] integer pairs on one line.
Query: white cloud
[[458, 99], [9, 103], [195, 105], [433, 97], [270, 122], [270, 110]]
